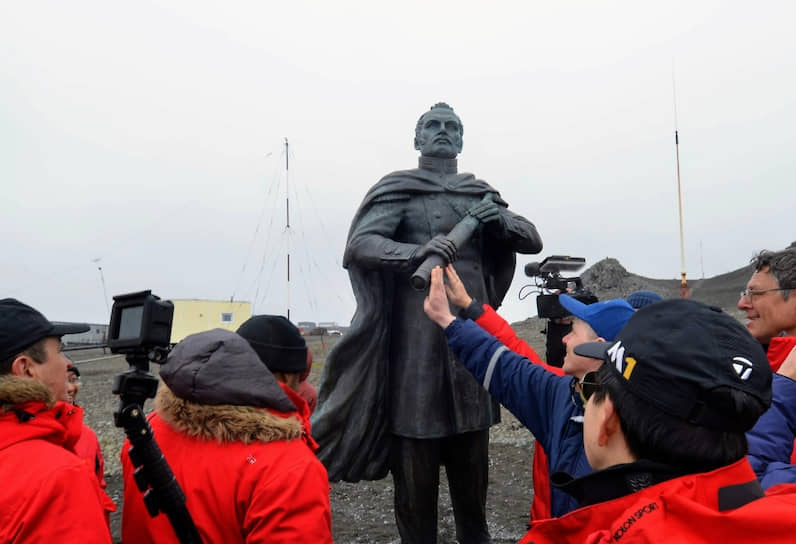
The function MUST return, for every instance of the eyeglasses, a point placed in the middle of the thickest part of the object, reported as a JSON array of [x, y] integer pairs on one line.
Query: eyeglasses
[[751, 293], [75, 380], [589, 385]]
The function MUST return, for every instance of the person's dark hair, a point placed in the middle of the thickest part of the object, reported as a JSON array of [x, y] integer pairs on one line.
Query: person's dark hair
[[781, 264], [655, 435], [37, 352], [438, 105]]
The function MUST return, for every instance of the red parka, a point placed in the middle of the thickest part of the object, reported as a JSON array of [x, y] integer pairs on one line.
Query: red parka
[[684, 509], [47, 494], [272, 489], [88, 449]]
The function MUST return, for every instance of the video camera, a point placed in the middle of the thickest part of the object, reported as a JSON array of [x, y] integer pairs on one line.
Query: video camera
[[141, 325], [547, 276]]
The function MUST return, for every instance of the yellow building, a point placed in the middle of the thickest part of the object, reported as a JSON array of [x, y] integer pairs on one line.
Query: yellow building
[[191, 316]]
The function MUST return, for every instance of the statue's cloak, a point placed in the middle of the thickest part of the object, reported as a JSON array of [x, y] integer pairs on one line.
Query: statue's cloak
[[351, 422]]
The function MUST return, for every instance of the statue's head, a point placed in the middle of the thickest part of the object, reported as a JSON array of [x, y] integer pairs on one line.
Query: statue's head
[[439, 132]]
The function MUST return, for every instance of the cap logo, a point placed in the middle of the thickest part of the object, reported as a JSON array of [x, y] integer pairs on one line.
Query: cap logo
[[624, 365], [742, 367], [616, 353]]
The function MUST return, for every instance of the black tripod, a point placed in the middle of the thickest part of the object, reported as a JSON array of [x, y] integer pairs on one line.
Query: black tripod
[[153, 476]]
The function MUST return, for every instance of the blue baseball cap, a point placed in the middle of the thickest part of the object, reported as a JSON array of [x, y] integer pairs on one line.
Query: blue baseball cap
[[642, 298], [607, 318]]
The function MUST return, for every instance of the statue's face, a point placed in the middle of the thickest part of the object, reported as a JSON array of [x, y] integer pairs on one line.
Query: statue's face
[[440, 135]]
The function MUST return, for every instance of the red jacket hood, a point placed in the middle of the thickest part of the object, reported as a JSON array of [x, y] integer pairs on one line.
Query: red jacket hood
[[29, 405]]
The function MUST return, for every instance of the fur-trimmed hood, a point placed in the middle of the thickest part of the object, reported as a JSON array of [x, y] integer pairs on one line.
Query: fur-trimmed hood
[[219, 367], [15, 390], [28, 411], [225, 422]]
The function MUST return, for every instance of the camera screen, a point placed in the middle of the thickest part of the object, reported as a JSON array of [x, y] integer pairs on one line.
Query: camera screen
[[130, 325]]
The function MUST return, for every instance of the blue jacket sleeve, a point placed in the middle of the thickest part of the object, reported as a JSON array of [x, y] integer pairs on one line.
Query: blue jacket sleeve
[[771, 439], [527, 390]]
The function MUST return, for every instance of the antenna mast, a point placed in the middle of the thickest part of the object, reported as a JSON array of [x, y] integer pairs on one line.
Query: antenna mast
[[287, 221], [102, 279], [683, 283]]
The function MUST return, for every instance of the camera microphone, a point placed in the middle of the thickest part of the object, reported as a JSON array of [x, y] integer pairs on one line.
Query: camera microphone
[[533, 270]]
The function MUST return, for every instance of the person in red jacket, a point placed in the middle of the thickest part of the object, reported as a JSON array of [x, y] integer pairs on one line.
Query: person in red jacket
[[664, 430], [284, 351], [88, 446], [238, 444], [306, 390], [47, 493]]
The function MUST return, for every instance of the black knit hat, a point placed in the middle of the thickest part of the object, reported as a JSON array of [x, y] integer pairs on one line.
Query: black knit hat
[[683, 357], [22, 326], [277, 341]]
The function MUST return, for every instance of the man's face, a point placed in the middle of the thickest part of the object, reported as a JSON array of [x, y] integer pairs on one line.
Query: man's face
[[52, 371], [574, 364], [72, 387], [767, 313], [440, 135]]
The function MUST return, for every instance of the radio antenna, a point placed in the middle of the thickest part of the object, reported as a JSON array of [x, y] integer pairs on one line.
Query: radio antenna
[[102, 279], [287, 222], [683, 281]]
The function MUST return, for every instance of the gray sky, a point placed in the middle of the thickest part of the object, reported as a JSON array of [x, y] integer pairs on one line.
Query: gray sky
[[151, 137]]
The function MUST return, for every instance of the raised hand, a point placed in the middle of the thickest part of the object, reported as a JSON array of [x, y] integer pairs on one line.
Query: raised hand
[[436, 304], [455, 290]]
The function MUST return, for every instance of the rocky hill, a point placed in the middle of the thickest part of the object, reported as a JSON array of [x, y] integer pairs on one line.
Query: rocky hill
[[609, 279]]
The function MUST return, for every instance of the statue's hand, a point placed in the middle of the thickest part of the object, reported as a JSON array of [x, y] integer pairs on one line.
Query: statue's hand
[[455, 290], [488, 213], [439, 245]]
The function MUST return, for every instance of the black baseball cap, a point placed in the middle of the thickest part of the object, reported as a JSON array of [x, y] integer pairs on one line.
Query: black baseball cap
[[677, 353], [22, 326]]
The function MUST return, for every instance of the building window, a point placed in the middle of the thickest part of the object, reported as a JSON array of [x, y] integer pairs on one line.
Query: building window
[[226, 317]]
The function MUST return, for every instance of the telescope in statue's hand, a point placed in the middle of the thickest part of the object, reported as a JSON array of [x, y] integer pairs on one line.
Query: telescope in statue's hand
[[459, 235]]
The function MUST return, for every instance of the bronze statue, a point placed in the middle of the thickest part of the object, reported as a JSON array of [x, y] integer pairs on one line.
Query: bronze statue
[[392, 398]]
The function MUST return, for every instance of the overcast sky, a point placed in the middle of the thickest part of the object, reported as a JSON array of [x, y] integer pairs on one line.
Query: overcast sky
[[150, 136]]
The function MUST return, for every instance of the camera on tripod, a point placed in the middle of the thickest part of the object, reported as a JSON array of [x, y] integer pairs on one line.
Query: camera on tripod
[[141, 325], [140, 328], [547, 276]]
